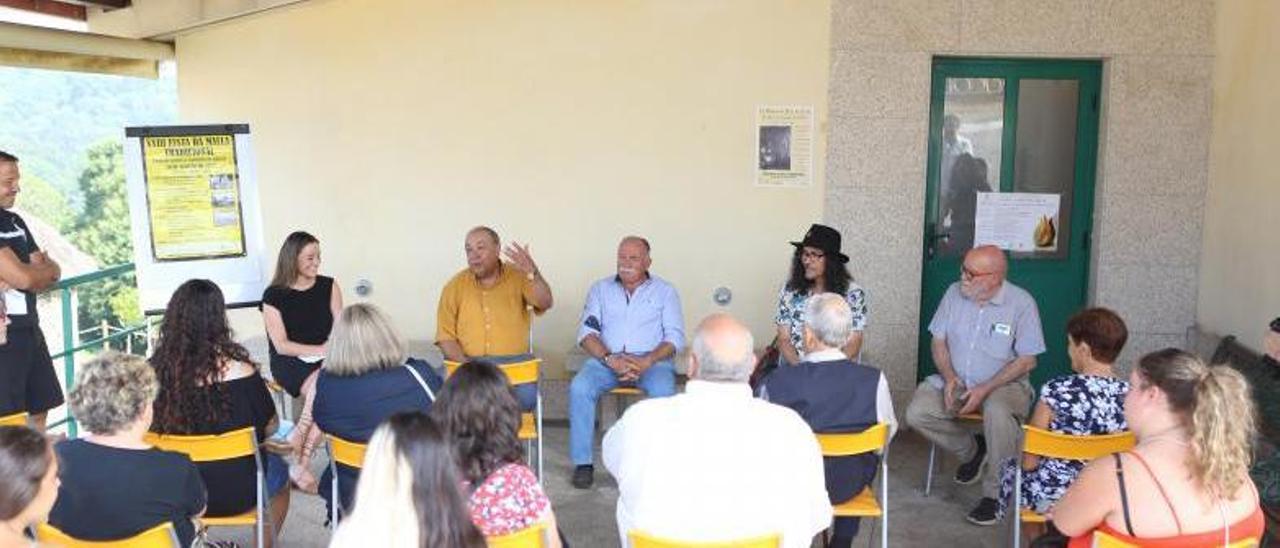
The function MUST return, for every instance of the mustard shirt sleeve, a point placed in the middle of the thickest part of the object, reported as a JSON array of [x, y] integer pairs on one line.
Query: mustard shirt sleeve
[[447, 313]]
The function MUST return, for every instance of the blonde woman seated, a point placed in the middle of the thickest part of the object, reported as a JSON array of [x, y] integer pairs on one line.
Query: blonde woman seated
[[478, 411], [1186, 483], [409, 492], [30, 483], [115, 485], [366, 378]]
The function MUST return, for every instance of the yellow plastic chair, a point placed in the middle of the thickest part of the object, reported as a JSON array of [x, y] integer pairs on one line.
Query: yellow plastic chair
[[933, 450], [524, 372], [1103, 540], [620, 394], [160, 536], [534, 536], [211, 448], [644, 540], [347, 453], [16, 419], [1043, 443], [865, 503]]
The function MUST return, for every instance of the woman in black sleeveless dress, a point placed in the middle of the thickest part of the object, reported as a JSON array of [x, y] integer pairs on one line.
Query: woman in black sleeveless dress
[[298, 309]]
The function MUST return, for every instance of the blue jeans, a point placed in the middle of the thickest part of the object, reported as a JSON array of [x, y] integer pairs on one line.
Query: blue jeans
[[595, 379]]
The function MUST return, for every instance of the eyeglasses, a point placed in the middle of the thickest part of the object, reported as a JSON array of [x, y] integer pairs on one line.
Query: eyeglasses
[[969, 273], [812, 255]]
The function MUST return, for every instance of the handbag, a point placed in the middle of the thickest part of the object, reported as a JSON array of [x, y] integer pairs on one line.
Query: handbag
[[765, 364]]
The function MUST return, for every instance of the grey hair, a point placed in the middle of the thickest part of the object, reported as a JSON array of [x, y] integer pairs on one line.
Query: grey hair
[[112, 391], [363, 340], [730, 359], [830, 319]]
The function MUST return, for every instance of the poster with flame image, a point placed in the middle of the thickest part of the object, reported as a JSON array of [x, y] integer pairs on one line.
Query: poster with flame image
[[1017, 221]]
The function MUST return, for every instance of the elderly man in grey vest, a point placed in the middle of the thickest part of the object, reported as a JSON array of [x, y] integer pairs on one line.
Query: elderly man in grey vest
[[986, 335]]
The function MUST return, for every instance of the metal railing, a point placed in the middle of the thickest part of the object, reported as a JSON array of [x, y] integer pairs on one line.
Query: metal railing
[[70, 347]]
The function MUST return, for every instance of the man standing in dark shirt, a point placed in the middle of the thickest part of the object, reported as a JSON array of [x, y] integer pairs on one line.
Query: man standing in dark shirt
[[27, 379], [834, 394]]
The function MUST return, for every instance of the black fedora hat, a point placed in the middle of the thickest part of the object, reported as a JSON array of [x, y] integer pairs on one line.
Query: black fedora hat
[[825, 238]]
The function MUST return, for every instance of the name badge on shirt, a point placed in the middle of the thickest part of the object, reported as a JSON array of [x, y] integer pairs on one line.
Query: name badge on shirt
[[1002, 329]]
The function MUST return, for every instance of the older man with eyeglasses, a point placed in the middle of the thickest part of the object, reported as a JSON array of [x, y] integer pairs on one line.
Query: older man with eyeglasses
[[986, 335]]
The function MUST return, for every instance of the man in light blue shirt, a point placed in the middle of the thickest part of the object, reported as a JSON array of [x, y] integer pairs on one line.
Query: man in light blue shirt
[[631, 327]]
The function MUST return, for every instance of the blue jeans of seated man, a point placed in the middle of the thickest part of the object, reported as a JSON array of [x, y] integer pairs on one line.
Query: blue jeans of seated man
[[590, 383], [526, 394]]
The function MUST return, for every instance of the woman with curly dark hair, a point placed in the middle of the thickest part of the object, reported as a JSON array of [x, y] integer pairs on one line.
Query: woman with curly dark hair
[[817, 267], [478, 411], [209, 385]]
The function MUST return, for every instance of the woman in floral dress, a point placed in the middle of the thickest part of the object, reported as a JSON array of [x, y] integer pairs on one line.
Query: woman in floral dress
[[1088, 402]]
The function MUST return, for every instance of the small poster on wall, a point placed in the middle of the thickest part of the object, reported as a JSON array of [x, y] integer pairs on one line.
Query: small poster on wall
[[784, 146], [1017, 221]]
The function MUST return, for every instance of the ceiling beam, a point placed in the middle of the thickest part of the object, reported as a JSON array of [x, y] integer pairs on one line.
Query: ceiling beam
[[55, 8], [108, 4]]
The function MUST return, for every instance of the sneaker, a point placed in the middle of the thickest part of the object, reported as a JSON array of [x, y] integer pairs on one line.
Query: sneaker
[[969, 472], [984, 513], [583, 476]]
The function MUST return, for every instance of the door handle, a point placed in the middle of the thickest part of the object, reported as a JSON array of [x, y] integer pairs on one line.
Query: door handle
[[933, 236]]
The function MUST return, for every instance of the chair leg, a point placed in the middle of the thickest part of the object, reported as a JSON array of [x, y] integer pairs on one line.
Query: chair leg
[[928, 474]]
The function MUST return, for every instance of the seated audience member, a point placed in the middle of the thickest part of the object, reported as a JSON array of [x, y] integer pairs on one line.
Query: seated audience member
[[484, 310], [209, 385], [1186, 483], [1087, 403], [1266, 470], [479, 413], [114, 485], [30, 483], [714, 463], [298, 310], [986, 336], [409, 493], [834, 394], [367, 377], [631, 327]]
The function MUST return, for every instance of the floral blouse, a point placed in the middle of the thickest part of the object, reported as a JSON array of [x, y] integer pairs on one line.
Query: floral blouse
[[509, 500], [791, 311]]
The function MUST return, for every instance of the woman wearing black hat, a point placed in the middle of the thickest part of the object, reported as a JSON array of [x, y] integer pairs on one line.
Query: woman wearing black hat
[[817, 267]]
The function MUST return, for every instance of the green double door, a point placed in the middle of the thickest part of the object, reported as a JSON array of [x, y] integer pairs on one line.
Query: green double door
[[1028, 127]]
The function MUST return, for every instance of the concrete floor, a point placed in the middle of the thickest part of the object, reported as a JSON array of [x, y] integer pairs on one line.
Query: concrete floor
[[587, 516]]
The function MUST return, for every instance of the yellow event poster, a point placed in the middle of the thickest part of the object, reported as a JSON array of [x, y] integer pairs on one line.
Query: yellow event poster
[[193, 197]]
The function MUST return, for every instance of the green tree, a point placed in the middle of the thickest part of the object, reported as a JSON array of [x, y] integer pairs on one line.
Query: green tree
[[42, 200], [103, 232]]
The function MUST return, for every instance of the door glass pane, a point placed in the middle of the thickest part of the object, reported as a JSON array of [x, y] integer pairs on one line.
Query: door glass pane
[[972, 136], [1046, 156]]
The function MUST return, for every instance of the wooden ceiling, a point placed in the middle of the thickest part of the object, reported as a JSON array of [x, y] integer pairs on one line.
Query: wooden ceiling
[[70, 9]]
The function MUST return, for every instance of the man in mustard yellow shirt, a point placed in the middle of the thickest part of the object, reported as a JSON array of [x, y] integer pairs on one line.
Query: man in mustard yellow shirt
[[484, 309]]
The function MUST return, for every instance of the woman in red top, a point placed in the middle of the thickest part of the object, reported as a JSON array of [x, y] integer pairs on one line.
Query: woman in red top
[[1186, 483], [477, 409]]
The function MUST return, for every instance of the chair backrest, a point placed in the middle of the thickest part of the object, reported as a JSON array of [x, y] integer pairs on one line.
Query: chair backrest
[[524, 372], [1103, 540], [1042, 442], [160, 536], [211, 447], [346, 452], [533, 536], [16, 419], [843, 445], [643, 540]]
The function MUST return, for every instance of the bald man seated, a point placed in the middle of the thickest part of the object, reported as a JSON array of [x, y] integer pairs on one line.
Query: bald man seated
[[715, 464], [986, 335]]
